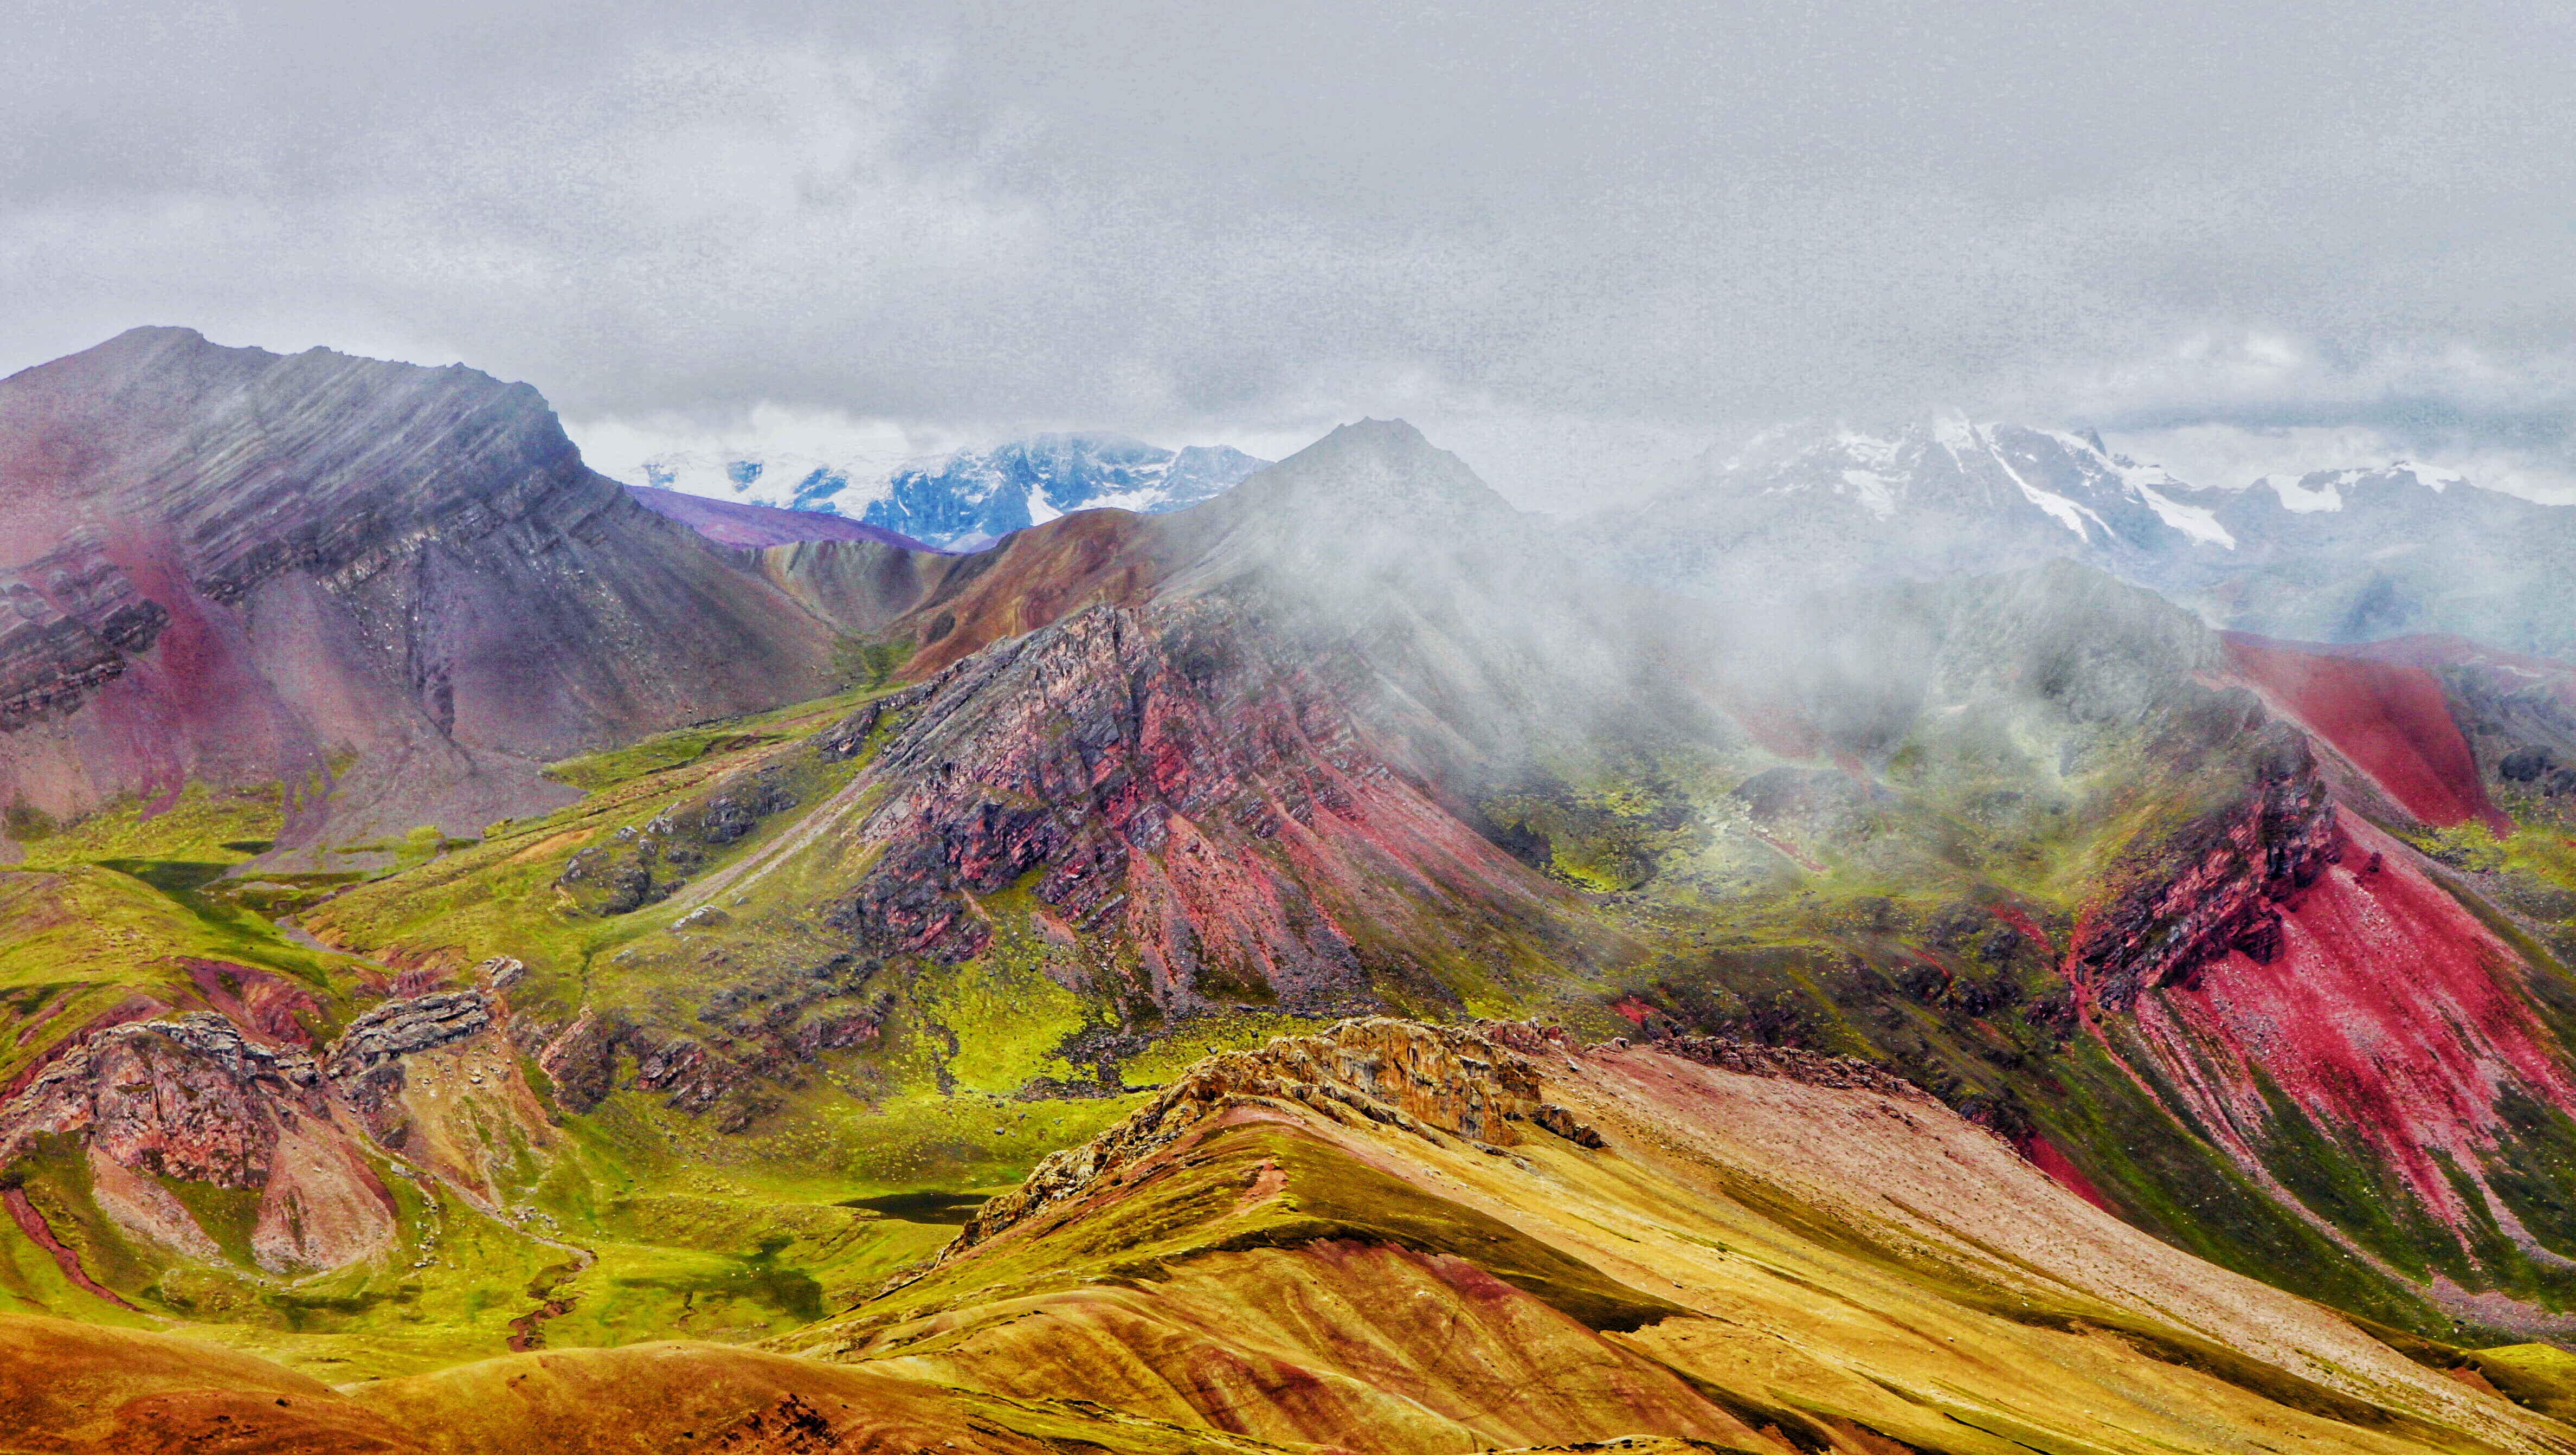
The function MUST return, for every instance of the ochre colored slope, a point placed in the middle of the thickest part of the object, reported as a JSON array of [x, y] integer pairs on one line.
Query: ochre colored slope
[[1329, 1242], [2388, 719], [1396, 1238], [679, 1396], [77, 1389], [73, 1389]]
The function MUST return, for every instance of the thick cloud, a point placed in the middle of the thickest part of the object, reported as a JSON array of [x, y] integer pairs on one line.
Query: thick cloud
[[1614, 227]]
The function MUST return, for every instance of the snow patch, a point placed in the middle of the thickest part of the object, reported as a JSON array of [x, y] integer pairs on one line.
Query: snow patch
[[2435, 480], [2299, 499], [2064, 511], [2197, 522]]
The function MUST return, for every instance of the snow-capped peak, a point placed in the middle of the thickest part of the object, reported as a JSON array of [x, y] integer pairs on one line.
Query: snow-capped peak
[[966, 498]]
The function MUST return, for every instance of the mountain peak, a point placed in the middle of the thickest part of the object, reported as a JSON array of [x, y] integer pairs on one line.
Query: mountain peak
[[1382, 480], [967, 499]]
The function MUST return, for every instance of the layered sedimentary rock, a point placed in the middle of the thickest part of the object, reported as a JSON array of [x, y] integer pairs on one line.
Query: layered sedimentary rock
[[1398, 1073], [200, 1099], [232, 565], [1161, 775], [2215, 886]]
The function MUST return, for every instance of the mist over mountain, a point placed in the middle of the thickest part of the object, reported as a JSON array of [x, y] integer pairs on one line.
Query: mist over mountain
[[1097, 763], [2350, 555], [969, 498], [572, 962]]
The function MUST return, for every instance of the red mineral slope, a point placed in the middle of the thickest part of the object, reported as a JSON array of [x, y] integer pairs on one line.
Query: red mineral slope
[[2389, 720], [2043, 1154], [2386, 719], [2433, 651], [2387, 1015], [1160, 773], [32, 1223]]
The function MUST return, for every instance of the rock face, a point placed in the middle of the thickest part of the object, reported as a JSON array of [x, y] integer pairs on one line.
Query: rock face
[[192, 1097], [237, 566], [1160, 774], [2384, 1015], [195, 1100], [199, 1099], [367, 1065], [2218, 886]]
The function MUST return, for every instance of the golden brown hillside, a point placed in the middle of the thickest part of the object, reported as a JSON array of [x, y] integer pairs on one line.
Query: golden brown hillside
[[1392, 1237]]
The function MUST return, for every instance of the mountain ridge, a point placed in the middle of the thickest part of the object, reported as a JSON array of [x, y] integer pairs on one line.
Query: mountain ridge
[[241, 566], [968, 498], [2335, 555], [2208, 953]]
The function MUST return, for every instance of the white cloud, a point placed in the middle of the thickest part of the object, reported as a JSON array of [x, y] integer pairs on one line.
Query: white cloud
[[1581, 237], [618, 447]]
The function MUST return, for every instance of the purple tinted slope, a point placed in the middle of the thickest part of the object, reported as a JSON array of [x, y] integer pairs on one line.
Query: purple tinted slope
[[734, 524]]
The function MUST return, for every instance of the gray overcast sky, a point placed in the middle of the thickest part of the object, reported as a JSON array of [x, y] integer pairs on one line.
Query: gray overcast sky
[[1563, 233]]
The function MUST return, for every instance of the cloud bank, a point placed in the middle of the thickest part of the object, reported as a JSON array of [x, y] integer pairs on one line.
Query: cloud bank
[[1572, 236]]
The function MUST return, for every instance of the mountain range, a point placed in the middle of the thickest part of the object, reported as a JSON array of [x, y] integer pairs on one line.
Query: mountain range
[[2338, 555], [488, 966], [969, 498]]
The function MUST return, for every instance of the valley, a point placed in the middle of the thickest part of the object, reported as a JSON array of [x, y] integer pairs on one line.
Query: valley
[[1316, 969]]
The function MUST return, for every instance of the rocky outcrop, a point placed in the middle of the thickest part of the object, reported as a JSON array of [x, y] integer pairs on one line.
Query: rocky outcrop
[[1157, 776], [1789, 1063], [366, 1065], [647, 864], [2215, 886], [391, 1031], [580, 1061], [191, 1098], [1427, 1080], [196, 1100], [756, 1036], [200, 1098]]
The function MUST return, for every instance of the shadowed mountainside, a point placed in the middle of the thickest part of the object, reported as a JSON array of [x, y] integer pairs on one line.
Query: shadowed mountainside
[[394, 591]]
